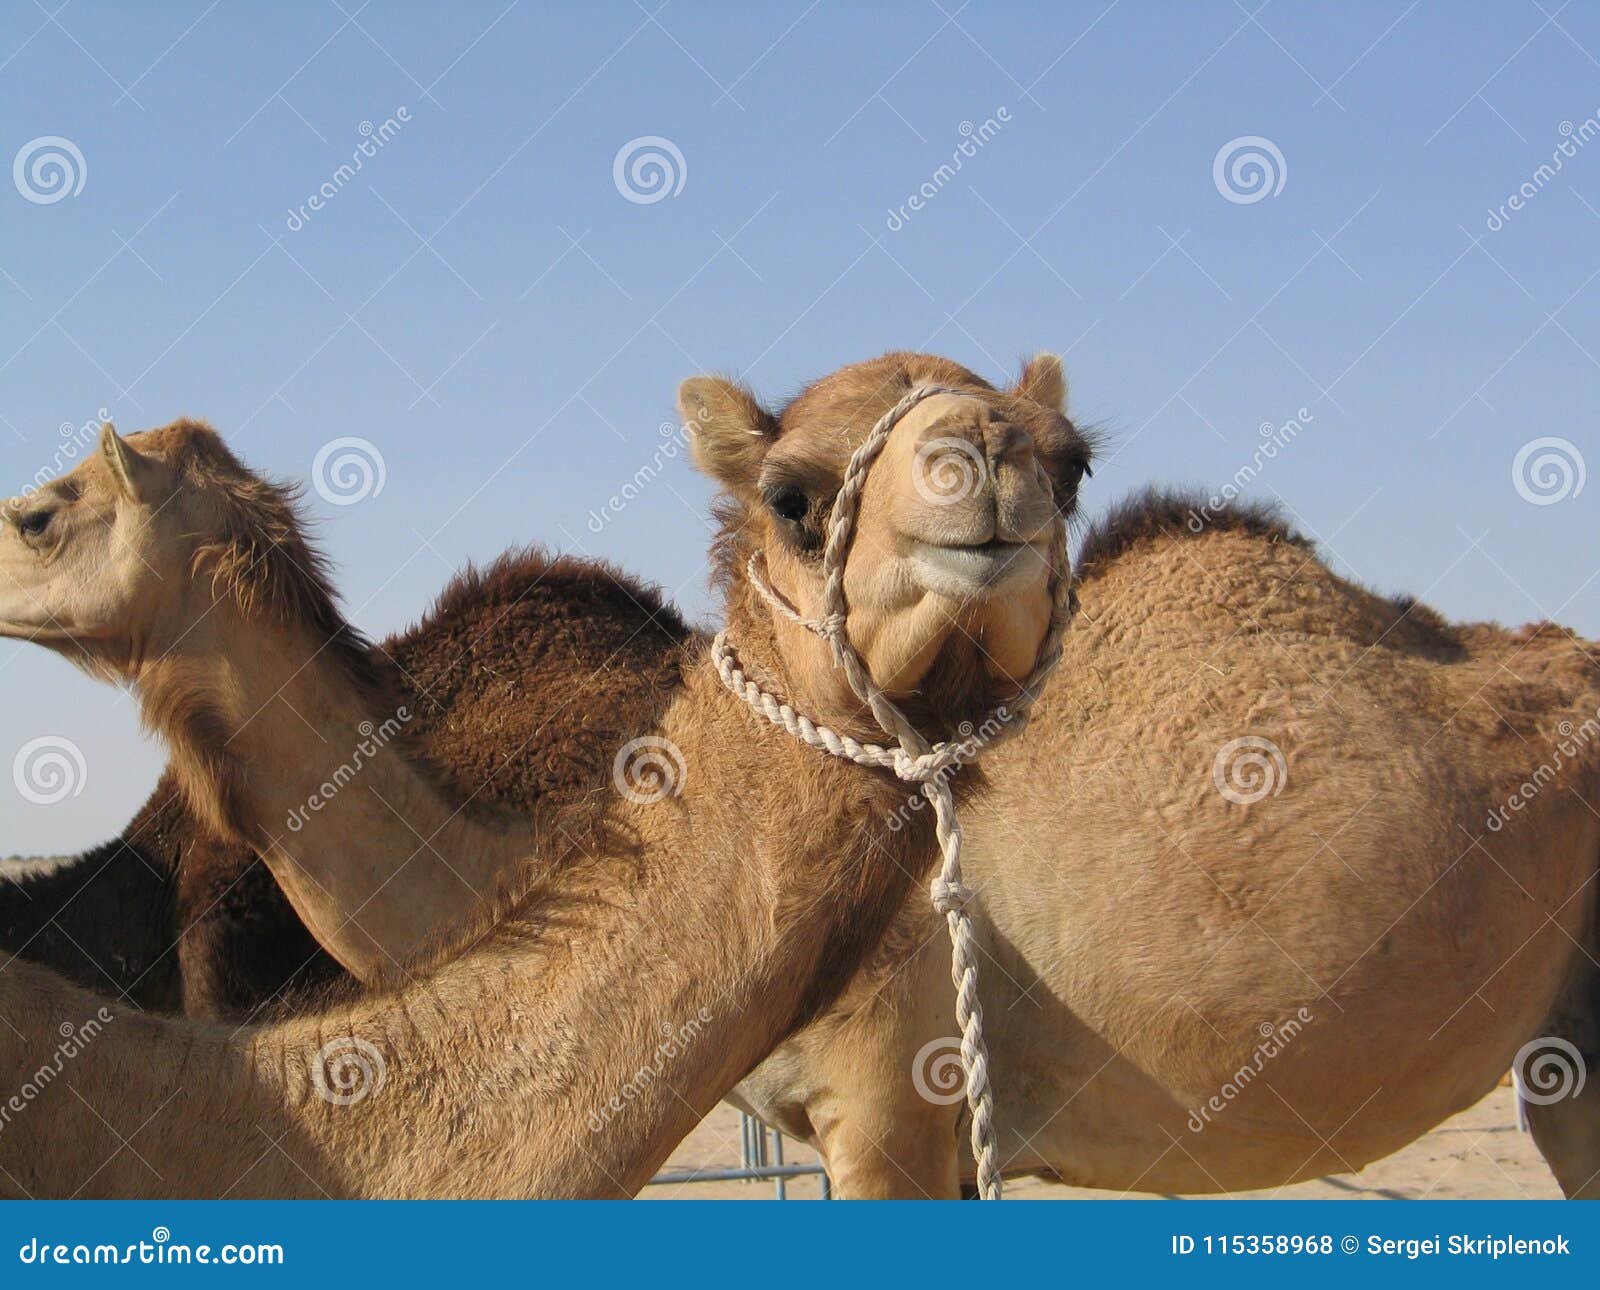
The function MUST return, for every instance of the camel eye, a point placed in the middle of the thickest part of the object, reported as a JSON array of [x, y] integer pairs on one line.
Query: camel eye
[[789, 503], [34, 523]]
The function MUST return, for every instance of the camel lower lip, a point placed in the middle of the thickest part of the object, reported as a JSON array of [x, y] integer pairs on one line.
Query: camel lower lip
[[963, 570]]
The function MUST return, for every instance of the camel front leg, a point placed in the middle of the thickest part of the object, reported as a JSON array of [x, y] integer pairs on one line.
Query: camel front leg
[[890, 1150], [1567, 1134]]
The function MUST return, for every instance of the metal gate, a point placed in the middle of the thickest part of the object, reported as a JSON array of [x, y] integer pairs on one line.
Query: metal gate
[[760, 1158]]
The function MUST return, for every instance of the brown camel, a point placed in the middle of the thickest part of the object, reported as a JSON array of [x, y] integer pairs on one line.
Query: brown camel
[[524, 678], [720, 914]]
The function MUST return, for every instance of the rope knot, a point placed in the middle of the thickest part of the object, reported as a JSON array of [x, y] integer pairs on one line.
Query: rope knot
[[949, 897], [830, 626]]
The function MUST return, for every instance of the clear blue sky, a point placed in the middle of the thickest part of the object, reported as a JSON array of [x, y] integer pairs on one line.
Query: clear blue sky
[[482, 303]]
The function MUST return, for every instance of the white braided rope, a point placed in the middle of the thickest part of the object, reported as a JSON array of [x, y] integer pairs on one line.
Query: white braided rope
[[915, 760]]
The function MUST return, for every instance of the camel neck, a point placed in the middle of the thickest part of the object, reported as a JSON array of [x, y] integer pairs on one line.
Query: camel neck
[[796, 666], [284, 743]]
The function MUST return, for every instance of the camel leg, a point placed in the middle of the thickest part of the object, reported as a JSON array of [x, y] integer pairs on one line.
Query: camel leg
[[891, 1152], [1567, 1129], [1567, 1134]]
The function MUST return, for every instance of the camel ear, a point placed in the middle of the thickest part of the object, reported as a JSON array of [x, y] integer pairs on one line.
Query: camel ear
[[729, 431], [1044, 381], [134, 473]]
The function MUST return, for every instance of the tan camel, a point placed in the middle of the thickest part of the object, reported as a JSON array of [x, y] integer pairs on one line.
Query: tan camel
[[524, 678], [1283, 874], [639, 971]]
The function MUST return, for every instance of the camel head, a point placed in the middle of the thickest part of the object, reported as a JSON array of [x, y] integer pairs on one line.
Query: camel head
[[948, 579], [118, 562]]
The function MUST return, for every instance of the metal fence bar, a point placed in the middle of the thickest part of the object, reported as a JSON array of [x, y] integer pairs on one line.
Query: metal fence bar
[[779, 1187], [735, 1175], [759, 1160]]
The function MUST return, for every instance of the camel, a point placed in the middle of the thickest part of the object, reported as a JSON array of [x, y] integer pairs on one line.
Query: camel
[[631, 974], [1315, 867], [524, 677], [1283, 874]]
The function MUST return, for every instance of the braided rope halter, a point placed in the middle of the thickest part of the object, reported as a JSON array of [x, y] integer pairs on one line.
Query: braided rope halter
[[914, 760]]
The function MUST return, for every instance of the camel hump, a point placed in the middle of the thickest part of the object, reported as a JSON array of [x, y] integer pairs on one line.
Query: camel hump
[[1154, 513]]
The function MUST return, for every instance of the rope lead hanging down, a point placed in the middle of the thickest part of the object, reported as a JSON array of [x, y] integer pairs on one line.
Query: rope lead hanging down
[[915, 760]]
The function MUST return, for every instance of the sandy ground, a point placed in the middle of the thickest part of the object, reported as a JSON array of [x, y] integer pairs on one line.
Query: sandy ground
[[1479, 1155]]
